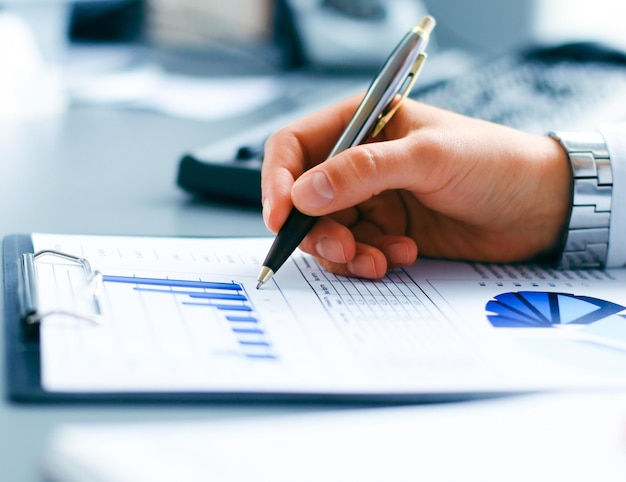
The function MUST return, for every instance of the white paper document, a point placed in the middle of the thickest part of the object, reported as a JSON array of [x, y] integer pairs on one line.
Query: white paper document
[[184, 315]]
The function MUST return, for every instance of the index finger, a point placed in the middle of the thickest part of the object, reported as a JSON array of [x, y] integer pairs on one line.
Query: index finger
[[294, 149]]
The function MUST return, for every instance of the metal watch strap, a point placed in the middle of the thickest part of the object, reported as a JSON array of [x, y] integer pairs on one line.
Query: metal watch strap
[[587, 241]]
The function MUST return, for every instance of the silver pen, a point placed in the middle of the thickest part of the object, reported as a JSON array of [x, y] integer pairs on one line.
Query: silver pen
[[381, 101]]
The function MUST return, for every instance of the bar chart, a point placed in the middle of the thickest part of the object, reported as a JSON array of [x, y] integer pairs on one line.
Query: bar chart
[[228, 299]]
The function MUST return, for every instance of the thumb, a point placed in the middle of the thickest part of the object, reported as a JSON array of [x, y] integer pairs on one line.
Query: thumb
[[361, 172]]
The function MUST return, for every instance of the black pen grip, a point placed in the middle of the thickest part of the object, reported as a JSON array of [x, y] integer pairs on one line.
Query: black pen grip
[[296, 227]]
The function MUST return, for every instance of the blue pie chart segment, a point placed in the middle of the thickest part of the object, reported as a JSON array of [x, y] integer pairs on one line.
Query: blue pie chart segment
[[527, 309]]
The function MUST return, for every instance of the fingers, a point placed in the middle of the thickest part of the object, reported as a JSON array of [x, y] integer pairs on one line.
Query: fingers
[[368, 262], [364, 250], [306, 143], [361, 250], [331, 241], [373, 262], [438, 156], [292, 150], [414, 163]]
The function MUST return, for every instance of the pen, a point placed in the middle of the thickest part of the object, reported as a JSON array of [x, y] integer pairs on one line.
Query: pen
[[381, 101]]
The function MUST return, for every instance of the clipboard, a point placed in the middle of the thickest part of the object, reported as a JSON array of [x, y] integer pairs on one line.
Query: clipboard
[[24, 370], [22, 342], [308, 337], [22, 347], [23, 360]]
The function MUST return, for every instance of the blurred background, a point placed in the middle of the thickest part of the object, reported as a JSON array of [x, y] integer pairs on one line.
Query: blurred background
[[354, 28], [326, 32], [45, 64], [217, 61], [123, 53]]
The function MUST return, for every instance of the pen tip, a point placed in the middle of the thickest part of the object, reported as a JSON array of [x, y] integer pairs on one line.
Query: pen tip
[[264, 276]]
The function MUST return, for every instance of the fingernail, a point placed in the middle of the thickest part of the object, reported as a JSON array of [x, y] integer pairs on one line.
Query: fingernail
[[397, 253], [330, 249], [317, 190], [362, 265], [267, 209]]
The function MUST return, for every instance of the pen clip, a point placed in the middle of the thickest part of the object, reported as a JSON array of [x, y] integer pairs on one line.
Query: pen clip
[[402, 94]]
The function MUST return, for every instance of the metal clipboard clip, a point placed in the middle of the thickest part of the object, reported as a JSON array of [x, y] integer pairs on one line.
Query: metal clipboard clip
[[28, 289]]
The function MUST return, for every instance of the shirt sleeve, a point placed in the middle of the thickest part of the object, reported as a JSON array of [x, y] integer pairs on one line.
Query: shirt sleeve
[[615, 138]]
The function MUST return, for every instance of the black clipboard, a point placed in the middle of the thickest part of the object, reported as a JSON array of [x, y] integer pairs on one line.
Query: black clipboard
[[21, 348], [23, 360], [23, 364]]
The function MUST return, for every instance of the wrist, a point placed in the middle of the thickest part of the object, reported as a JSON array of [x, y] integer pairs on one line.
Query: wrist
[[555, 180]]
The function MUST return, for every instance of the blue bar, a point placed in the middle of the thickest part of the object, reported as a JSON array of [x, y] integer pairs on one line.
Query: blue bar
[[232, 307], [167, 291], [252, 331], [172, 282], [254, 343], [197, 294], [268, 356], [249, 319], [217, 296], [216, 306]]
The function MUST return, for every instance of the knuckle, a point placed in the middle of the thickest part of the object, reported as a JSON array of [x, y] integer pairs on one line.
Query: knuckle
[[276, 138], [364, 165], [438, 159], [431, 144]]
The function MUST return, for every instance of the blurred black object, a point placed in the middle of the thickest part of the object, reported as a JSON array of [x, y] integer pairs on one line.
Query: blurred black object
[[107, 21], [286, 36]]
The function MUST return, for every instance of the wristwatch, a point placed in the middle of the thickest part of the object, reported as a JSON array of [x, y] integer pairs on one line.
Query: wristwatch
[[587, 238]]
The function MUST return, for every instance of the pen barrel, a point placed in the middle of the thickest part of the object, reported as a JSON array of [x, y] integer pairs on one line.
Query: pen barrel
[[392, 80], [289, 237]]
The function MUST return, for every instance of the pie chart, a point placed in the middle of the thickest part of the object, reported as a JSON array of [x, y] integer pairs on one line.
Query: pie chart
[[544, 309]]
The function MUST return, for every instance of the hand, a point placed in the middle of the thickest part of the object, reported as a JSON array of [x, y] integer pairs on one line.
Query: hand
[[433, 181]]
